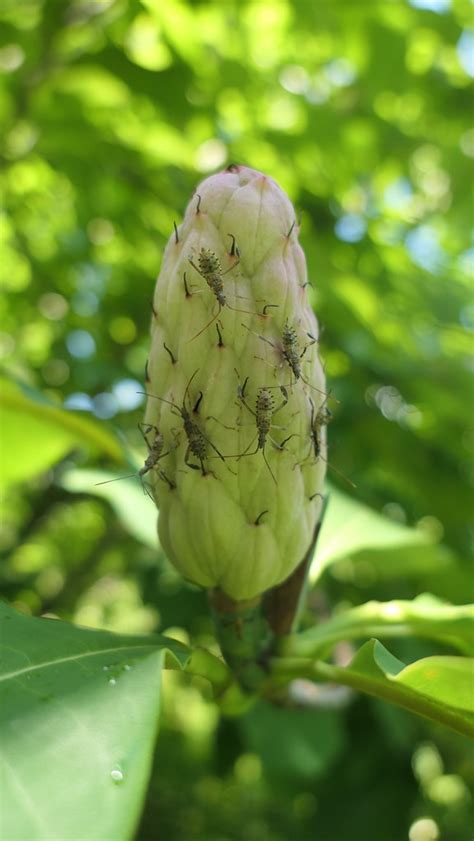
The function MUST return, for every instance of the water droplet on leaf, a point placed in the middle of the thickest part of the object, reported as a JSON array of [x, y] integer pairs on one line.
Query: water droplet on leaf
[[117, 774]]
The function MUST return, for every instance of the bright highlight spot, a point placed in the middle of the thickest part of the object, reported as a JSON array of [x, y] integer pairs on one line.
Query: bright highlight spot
[[351, 227], [424, 829], [211, 155], [465, 51], [80, 344], [79, 401], [126, 392]]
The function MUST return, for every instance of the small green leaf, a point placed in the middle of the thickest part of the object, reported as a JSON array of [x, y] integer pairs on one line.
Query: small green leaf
[[448, 679], [374, 658], [36, 434], [439, 688], [78, 719]]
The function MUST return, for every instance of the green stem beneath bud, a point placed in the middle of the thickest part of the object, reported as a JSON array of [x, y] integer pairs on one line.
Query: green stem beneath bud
[[244, 635]]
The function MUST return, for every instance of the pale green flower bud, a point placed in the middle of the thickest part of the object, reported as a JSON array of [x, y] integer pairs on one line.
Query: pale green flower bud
[[238, 500]]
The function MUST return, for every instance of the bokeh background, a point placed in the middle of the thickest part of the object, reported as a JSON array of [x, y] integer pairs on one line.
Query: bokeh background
[[112, 112]]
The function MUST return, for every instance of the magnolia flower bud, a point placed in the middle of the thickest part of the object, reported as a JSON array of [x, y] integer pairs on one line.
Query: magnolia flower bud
[[237, 402]]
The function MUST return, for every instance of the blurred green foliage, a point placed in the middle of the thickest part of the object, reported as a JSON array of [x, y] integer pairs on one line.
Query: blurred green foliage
[[112, 112]]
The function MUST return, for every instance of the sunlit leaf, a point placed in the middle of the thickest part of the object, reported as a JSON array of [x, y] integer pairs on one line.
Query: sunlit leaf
[[36, 434], [438, 688], [350, 527], [449, 680], [426, 617]]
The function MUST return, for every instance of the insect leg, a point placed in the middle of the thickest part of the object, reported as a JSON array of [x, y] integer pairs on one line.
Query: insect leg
[[206, 325], [312, 342], [263, 338], [164, 477], [145, 428], [282, 445], [231, 267], [213, 447], [284, 401], [270, 469], [213, 417], [241, 393], [246, 453]]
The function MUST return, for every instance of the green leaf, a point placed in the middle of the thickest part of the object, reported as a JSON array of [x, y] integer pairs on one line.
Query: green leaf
[[36, 434], [447, 679], [135, 510], [425, 617], [447, 682], [438, 688], [78, 719], [350, 528]]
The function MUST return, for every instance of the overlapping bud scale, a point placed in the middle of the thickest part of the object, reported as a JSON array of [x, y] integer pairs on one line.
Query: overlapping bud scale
[[233, 515]]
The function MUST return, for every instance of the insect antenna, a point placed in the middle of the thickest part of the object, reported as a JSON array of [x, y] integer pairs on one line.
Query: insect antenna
[[339, 473], [319, 390], [163, 400], [136, 475], [214, 317], [117, 479], [246, 312], [186, 392], [329, 464]]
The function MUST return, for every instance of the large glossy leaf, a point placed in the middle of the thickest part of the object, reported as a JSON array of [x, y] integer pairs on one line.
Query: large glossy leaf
[[438, 688], [36, 434], [134, 508], [78, 718], [350, 528]]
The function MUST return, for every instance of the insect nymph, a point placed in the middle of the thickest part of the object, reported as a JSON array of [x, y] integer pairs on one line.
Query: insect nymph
[[289, 349], [198, 443], [155, 454], [210, 268], [263, 413], [319, 419]]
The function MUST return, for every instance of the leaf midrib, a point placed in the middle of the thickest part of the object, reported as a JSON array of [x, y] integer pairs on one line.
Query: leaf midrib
[[99, 652]]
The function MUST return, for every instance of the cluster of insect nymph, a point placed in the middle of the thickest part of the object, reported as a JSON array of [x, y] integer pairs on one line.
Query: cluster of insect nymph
[[289, 348]]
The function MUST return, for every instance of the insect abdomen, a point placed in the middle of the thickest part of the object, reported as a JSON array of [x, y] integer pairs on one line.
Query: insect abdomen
[[196, 440], [290, 350], [263, 414]]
